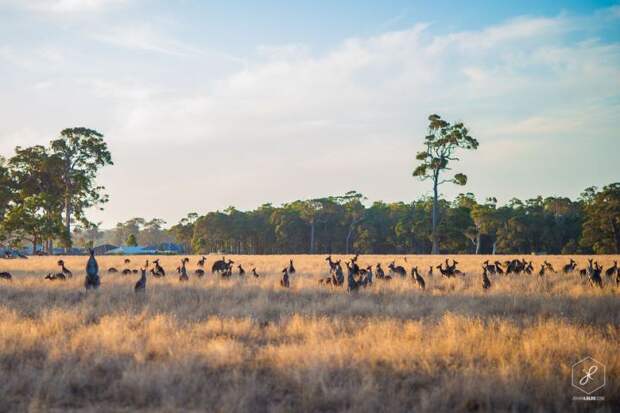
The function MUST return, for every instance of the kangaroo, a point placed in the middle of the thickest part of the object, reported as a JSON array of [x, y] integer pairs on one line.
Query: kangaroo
[[490, 267], [486, 283], [140, 286], [201, 262], [352, 283], [332, 264], [112, 270], [338, 276], [612, 270], [367, 277], [256, 275], [284, 282], [6, 275], [58, 276], [397, 269], [64, 269], [183, 272], [158, 270], [595, 276], [418, 278], [549, 267], [570, 267], [379, 271], [444, 273], [291, 268], [498, 268], [92, 280], [541, 273], [220, 265], [430, 271], [199, 272], [241, 270]]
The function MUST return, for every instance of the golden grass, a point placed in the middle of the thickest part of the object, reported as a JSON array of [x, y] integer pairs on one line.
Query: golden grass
[[248, 345]]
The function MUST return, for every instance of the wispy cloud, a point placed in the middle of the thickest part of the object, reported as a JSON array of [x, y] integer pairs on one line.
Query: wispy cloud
[[67, 6], [142, 37]]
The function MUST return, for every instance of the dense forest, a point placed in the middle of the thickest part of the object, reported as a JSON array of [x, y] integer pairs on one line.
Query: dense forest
[[45, 193], [344, 224]]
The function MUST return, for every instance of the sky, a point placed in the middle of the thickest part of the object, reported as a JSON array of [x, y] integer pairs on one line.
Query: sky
[[209, 104]]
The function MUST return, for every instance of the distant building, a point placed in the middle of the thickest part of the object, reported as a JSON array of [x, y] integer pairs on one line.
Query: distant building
[[103, 249], [168, 248], [126, 250]]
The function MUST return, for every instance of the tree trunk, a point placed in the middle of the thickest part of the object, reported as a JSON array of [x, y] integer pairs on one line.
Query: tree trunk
[[312, 237], [348, 241], [435, 235], [616, 234], [68, 222], [478, 243]]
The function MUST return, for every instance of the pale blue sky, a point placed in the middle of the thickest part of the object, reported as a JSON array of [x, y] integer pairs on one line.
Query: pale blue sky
[[210, 104]]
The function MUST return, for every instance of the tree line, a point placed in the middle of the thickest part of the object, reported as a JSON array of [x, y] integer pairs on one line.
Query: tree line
[[344, 224]]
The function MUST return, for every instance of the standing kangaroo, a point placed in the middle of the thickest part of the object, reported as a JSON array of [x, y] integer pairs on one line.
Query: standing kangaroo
[[92, 280]]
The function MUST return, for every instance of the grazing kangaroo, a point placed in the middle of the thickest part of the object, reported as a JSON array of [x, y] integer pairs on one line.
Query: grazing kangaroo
[[53, 277], [549, 267], [241, 270], [6, 275], [140, 286], [612, 270], [126, 271], [92, 280], [397, 269], [201, 262], [127, 260], [291, 268], [63, 269], [221, 265], [444, 273], [199, 272], [418, 278], [112, 270], [284, 282], [486, 283]]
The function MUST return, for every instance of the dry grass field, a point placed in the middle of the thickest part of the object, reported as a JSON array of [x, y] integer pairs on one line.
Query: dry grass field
[[249, 345]]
